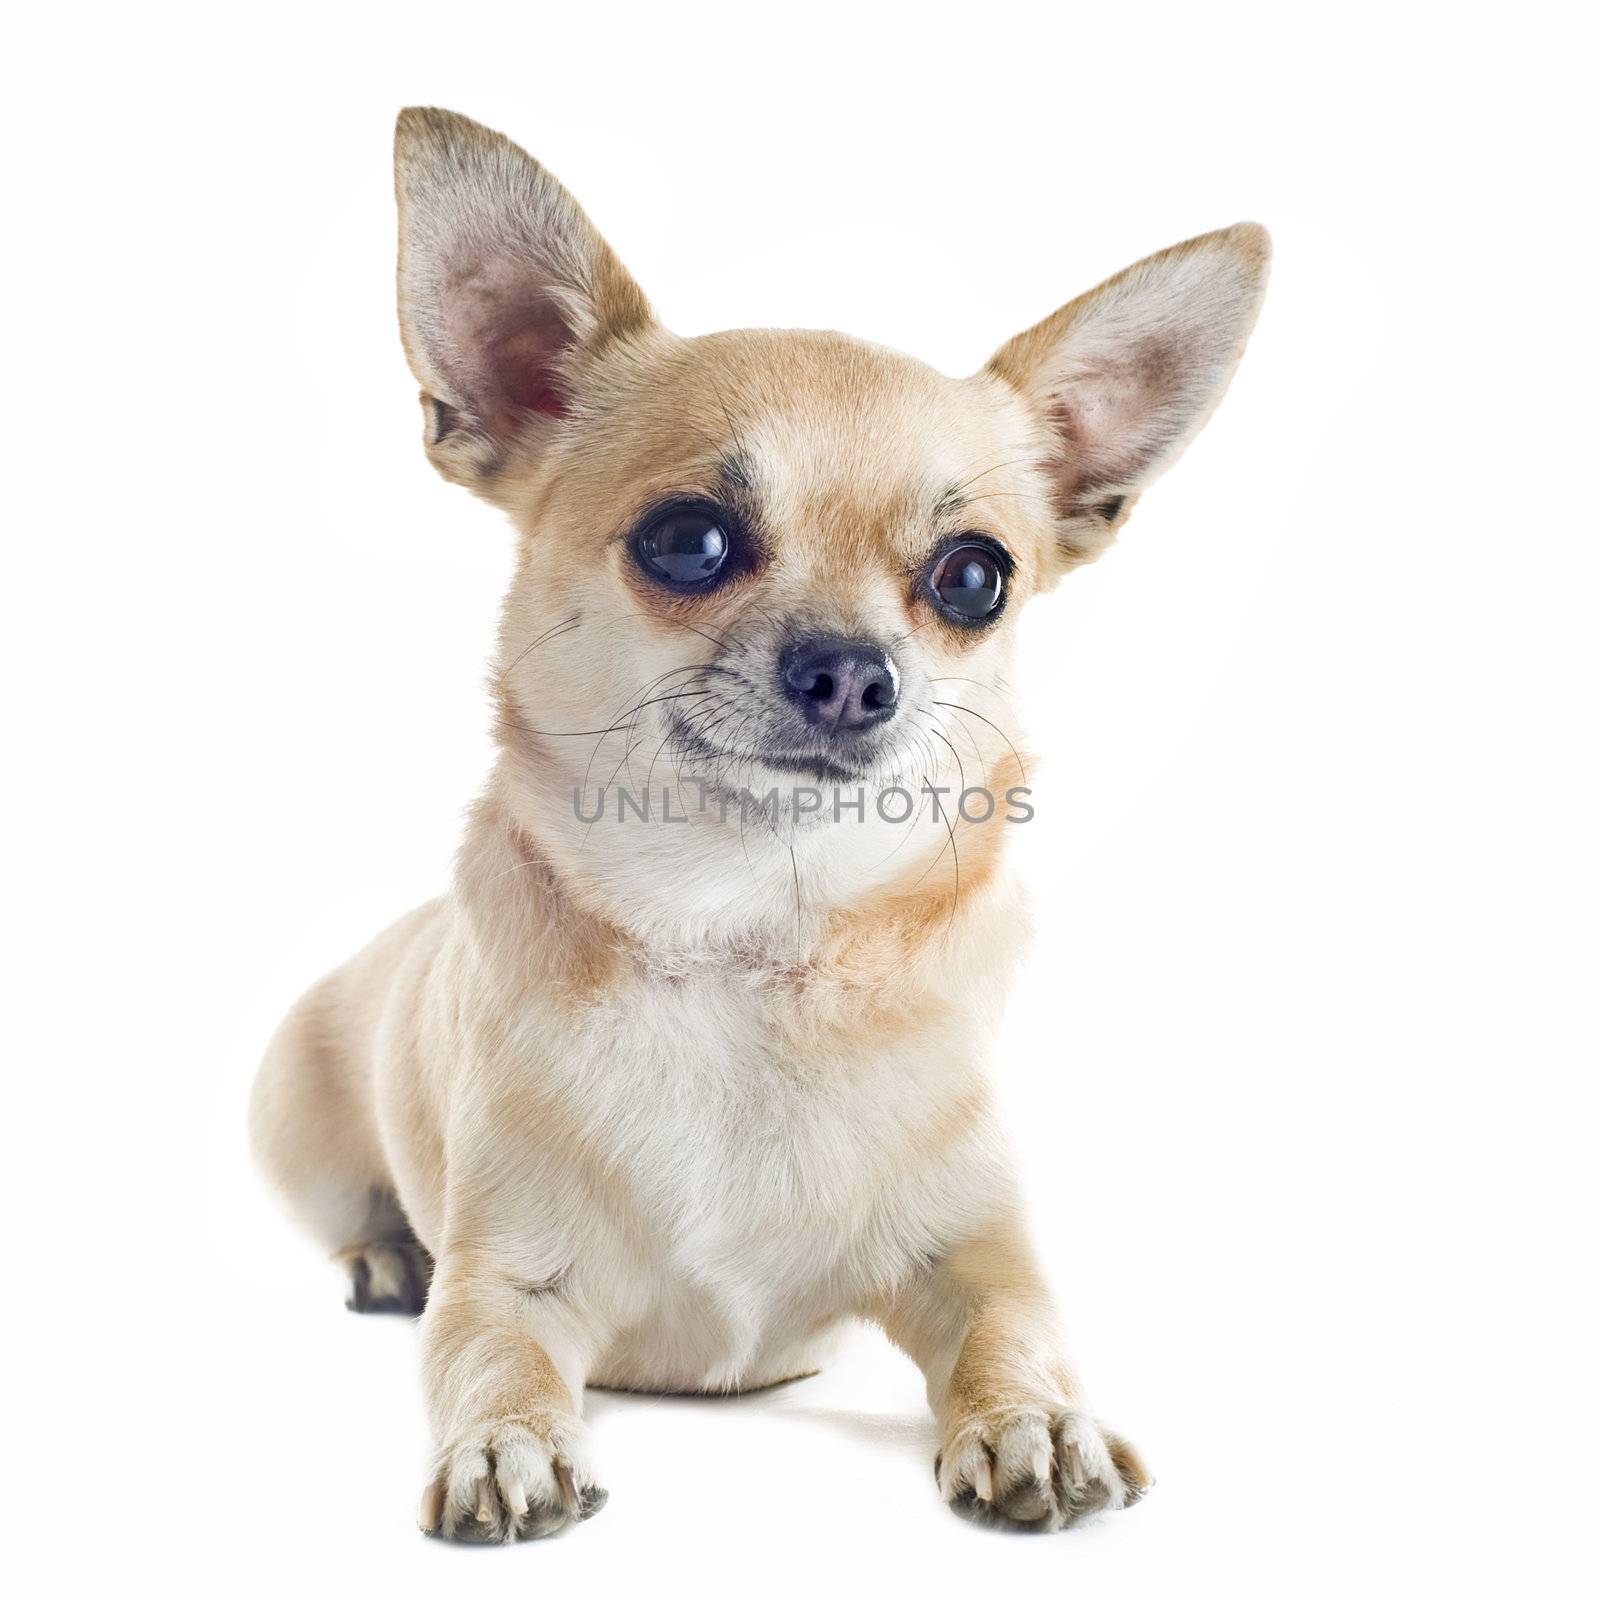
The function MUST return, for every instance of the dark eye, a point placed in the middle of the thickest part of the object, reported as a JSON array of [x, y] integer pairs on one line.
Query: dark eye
[[969, 582], [684, 549]]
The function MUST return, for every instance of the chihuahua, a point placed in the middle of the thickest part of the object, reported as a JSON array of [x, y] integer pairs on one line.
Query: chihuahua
[[681, 1075]]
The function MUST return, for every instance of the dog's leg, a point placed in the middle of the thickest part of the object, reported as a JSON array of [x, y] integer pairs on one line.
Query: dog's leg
[[504, 1368], [314, 1126], [1019, 1446], [389, 1269], [314, 1136]]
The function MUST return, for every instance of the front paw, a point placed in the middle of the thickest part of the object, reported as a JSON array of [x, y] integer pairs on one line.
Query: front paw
[[519, 1478], [1037, 1468]]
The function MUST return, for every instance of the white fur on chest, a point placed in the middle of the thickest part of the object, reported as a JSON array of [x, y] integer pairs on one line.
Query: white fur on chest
[[764, 1192]]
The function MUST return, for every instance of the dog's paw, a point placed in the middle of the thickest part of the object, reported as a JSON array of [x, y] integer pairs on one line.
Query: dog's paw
[[388, 1275], [1037, 1469], [520, 1478]]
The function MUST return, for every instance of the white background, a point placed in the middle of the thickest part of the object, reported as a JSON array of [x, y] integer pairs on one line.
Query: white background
[[1302, 1066]]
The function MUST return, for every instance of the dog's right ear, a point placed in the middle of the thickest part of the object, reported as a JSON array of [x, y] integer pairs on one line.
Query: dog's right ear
[[505, 289]]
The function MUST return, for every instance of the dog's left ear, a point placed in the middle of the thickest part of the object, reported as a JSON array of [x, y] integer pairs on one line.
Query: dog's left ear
[[1126, 375], [506, 289]]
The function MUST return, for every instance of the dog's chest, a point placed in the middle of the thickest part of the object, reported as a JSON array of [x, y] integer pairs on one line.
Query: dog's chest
[[771, 1171]]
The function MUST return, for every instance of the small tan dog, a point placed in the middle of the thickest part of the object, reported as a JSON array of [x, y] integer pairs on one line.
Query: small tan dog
[[662, 1091]]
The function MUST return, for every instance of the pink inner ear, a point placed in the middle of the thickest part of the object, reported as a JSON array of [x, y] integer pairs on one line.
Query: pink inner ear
[[524, 363], [1082, 424], [504, 336], [1112, 419]]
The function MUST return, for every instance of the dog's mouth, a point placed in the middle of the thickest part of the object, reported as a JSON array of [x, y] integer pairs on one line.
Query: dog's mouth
[[818, 767], [802, 763]]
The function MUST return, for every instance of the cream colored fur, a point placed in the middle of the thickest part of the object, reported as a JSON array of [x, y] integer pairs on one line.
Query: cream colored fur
[[660, 1105]]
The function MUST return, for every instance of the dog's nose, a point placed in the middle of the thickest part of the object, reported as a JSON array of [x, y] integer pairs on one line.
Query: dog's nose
[[842, 685]]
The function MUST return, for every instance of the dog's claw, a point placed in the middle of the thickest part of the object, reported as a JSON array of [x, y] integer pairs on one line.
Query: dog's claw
[[517, 1498], [983, 1479], [431, 1510]]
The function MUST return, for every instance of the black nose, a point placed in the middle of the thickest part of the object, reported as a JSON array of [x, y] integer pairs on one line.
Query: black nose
[[840, 684]]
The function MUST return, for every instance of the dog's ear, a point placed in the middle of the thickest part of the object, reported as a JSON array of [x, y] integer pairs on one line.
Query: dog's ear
[[1126, 375], [505, 289]]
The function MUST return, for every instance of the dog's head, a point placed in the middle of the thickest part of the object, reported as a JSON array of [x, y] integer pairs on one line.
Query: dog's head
[[774, 557]]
